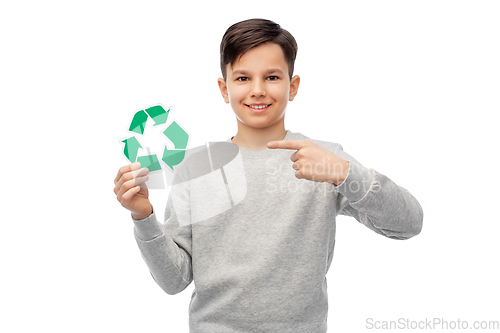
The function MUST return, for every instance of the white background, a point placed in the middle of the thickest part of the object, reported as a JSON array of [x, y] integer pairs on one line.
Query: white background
[[409, 88]]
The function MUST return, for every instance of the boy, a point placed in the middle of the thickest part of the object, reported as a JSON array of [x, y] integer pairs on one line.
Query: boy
[[261, 265]]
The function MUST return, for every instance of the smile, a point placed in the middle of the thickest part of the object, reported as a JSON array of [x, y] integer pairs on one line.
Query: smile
[[258, 107]]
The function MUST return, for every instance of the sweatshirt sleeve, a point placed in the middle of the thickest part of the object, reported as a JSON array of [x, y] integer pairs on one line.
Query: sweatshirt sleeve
[[167, 248], [377, 202]]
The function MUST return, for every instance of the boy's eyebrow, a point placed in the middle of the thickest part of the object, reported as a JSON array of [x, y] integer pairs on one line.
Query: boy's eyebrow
[[239, 72], [269, 71], [275, 70]]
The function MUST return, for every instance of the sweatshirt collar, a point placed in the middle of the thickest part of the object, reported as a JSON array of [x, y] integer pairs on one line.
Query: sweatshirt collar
[[266, 152]]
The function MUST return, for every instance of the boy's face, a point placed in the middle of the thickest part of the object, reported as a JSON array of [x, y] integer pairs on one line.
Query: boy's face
[[258, 86]]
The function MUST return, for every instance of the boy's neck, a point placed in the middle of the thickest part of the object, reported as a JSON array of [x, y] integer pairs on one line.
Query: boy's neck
[[257, 138]]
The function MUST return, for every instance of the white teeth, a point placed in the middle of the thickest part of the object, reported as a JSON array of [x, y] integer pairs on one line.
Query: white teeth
[[259, 106]]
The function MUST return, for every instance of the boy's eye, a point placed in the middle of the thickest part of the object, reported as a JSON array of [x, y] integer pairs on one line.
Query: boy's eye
[[242, 79], [273, 78]]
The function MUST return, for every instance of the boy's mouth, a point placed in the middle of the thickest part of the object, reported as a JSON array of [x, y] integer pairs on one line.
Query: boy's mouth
[[258, 107]]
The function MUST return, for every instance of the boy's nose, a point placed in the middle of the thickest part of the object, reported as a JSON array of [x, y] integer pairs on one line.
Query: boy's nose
[[258, 89]]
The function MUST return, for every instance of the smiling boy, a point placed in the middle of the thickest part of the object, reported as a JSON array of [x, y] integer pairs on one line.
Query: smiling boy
[[258, 86], [261, 265]]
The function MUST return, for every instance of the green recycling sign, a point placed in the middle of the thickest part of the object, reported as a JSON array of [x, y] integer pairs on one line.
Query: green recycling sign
[[173, 132]]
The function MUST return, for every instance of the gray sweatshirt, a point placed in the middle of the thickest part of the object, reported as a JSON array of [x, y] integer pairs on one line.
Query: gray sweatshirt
[[259, 244]]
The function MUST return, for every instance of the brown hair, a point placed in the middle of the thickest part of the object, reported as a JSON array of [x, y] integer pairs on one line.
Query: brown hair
[[244, 35]]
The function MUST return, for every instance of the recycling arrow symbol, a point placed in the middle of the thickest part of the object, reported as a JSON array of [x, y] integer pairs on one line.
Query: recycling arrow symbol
[[173, 132]]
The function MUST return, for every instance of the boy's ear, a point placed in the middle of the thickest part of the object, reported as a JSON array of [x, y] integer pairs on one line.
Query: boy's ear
[[294, 87], [223, 89]]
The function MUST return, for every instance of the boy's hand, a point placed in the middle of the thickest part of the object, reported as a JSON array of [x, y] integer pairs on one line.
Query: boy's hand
[[129, 191], [314, 162]]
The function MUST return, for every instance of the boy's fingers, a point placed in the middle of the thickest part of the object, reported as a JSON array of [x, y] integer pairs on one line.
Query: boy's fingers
[[129, 185], [125, 169], [140, 172], [130, 176], [127, 196]]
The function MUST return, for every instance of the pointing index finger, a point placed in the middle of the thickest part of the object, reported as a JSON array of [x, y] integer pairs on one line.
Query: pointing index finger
[[286, 144]]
